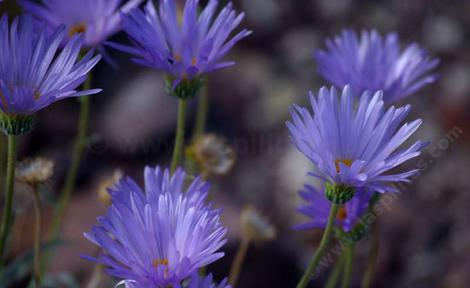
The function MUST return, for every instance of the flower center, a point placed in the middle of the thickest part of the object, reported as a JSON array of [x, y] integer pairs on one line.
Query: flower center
[[342, 214], [158, 262], [37, 95], [347, 162], [79, 28]]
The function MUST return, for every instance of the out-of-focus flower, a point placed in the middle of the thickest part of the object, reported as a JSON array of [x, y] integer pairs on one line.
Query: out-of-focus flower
[[374, 63], [255, 226], [34, 171], [32, 76], [317, 208], [212, 155], [103, 193], [182, 49], [354, 146], [196, 281], [161, 236], [96, 19]]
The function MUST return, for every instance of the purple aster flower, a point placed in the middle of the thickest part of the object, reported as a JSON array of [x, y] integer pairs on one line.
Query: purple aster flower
[[317, 208], [196, 281], [160, 236], [183, 49], [33, 74], [354, 147], [96, 19], [375, 63]]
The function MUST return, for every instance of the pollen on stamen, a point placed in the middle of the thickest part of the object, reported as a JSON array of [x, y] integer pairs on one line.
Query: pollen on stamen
[[194, 61], [158, 262], [347, 162], [79, 28], [37, 95], [177, 57], [342, 214]]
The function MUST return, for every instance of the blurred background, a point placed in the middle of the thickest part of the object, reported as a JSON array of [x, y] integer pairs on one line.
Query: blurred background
[[425, 233]]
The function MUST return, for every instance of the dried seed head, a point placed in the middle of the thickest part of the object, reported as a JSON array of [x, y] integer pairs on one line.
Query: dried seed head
[[255, 226], [212, 155], [34, 171]]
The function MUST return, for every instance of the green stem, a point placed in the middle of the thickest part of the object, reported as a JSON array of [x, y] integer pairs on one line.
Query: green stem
[[179, 138], [321, 249], [37, 238], [7, 211], [78, 148], [202, 110], [238, 261], [347, 273], [372, 258], [335, 273]]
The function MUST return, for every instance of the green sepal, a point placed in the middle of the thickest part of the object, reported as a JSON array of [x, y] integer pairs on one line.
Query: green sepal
[[16, 124], [339, 194], [186, 89]]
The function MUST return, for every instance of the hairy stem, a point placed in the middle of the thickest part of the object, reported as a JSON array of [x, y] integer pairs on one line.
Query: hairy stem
[[310, 271], [7, 211], [179, 138], [238, 261], [347, 273], [37, 237], [335, 273], [372, 258], [78, 149]]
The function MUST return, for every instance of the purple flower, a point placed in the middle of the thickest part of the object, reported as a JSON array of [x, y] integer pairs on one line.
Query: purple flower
[[183, 49], [160, 236], [195, 282], [96, 19], [353, 146], [375, 63], [33, 74], [317, 208]]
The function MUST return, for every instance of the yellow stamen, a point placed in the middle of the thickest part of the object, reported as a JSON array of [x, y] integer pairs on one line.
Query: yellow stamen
[[178, 57], [3, 99], [347, 162], [36, 95], [342, 214], [194, 62], [79, 28], [158, 262]]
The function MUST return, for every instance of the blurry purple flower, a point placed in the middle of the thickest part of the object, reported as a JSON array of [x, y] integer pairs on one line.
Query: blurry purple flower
[[317, 207], [354, 146], [160, 236], [33, 74], [96, 19], [373, 63], [195, 282], [183, 49]]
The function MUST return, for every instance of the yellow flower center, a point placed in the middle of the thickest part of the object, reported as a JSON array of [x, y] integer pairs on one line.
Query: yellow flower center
[[158, 262], [347, 162], [79, 28]]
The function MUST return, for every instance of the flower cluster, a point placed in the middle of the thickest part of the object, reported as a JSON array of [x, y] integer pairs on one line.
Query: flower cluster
[[162, 234]]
